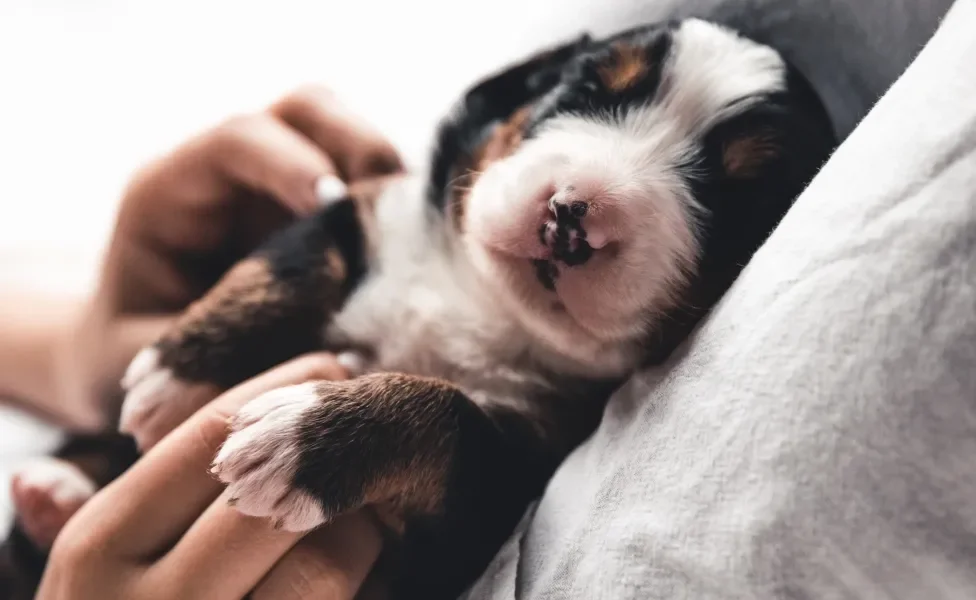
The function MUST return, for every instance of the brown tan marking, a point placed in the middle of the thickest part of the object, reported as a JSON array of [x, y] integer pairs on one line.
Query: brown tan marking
[[335, 264], [408, 474], [247, 284], [745, 156], [627, 64], [213, 341], [415, 485], [502, 142]]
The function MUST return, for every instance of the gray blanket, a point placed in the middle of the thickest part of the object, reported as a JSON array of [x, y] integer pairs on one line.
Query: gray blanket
[[817, 436]]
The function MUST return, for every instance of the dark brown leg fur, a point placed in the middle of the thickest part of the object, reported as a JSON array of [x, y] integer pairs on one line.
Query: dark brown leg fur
[[272, 306], [451, 477]]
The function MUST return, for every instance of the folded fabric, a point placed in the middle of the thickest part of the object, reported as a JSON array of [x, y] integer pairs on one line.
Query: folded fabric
[[816, 437]]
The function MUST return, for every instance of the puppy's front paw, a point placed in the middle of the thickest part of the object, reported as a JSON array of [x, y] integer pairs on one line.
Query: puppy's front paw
[[156, 399], [261, 457], [304, 454]]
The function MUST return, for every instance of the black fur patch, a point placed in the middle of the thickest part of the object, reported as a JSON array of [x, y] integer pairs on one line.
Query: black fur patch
[[260, 325], [546, 273], [489, 102], [582, 89], [741, 213]]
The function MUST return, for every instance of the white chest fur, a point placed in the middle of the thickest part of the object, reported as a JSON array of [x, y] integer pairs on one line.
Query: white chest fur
[[421, 309]]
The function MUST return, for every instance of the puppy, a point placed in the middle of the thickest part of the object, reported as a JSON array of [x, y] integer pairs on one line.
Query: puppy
[[581, 212]]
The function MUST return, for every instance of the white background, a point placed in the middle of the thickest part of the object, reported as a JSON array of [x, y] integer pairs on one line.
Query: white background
[[90, 89]]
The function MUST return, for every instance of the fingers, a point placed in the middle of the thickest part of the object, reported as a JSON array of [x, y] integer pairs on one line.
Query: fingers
[[222, 556], [150, 507], [264, 154], [149, 422], [190, 201], [355, 146], [188, 216], [282, 152], [331, 562], [184, 218]]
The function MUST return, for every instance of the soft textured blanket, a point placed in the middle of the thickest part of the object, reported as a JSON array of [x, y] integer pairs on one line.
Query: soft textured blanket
[[817, 437]]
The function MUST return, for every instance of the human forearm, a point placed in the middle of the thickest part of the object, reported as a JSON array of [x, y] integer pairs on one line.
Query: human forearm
[[33, 327]]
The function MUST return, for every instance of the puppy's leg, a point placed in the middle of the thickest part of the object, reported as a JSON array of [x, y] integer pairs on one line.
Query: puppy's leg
[[46, 493], [267, 309], [445, 473]]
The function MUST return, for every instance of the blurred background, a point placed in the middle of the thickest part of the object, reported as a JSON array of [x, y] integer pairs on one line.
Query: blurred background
[[92, 89]]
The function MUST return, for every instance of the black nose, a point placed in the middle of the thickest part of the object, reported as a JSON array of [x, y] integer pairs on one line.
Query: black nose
[[567, 240], [567, 210]]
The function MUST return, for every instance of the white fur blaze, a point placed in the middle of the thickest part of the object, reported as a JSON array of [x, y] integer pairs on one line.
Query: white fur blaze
[[46, 493], [156, 400], [144, 363], [259, 460]]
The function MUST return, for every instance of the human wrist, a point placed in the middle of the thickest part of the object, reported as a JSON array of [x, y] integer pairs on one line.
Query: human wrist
[[33, 330]]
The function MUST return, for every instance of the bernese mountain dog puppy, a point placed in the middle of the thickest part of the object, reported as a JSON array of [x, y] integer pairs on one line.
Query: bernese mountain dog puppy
[[581, 212]]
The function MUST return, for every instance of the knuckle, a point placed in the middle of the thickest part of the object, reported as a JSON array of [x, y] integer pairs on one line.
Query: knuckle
[[142, 176], [360, 149], [302, 577], [312, 581], [73, 549], [142, 187], [235, 130], [305, 102]]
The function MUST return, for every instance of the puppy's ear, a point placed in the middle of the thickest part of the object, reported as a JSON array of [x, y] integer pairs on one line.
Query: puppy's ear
[[504, 92], [492, 100]]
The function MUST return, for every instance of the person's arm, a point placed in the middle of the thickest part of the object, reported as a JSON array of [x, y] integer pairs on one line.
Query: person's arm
[[33, 327], [57, 355]]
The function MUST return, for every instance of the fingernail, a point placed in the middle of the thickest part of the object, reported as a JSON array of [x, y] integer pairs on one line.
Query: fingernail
[[329, 189]]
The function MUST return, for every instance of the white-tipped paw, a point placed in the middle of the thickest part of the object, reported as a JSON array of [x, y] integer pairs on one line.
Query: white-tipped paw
[[259, 460], [156, 400], [46, 493]]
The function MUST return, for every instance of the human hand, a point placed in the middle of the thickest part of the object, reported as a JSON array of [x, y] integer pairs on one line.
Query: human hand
[[190, 215], [164, 529]]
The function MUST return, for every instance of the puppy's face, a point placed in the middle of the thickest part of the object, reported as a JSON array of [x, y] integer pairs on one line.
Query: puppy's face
[[586, 207]]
